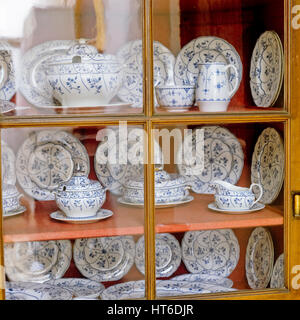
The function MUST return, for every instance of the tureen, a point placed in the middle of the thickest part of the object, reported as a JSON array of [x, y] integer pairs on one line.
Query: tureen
[[80, 197], [84, 77], [168, 189], [10, 198]]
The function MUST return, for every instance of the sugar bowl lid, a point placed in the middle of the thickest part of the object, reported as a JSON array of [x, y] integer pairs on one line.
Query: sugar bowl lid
[[80, 183]]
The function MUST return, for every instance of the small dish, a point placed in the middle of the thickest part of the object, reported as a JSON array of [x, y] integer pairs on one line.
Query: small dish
[[256, 207], [175, 96], [100, 215]]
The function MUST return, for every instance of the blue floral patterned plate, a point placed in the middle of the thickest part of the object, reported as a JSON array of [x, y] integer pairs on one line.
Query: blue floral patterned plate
[[256, 207]]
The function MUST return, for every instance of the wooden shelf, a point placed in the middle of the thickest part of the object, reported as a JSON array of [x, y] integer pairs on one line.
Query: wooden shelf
[[36, 225]]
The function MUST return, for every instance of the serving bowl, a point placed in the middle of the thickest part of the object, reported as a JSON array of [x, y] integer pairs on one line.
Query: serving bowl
[[175, 96], [80, 197], [168, 189], [83, 77]]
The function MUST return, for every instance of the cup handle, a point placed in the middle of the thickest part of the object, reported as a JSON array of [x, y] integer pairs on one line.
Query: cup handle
[[237, 76], [261, 192], [3, 73]]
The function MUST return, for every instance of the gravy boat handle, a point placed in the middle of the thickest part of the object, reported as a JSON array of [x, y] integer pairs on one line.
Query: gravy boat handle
[[261, 192]]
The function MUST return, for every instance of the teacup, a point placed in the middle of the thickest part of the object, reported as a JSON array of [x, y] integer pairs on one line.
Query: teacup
[[175, 96], [231, 197]]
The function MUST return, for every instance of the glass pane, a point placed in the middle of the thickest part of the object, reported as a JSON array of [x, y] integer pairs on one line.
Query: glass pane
[[226, 56], [71, 57], [219, 208], [66, 224]]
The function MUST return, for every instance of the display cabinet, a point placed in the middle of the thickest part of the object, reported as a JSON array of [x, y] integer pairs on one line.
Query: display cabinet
[[150, 150]]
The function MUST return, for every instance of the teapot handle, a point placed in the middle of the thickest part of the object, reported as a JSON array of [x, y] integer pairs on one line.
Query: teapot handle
[[261, 191]]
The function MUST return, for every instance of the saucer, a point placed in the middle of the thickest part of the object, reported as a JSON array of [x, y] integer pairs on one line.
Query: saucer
[[101, 214], [15, 212], [256, 207], [157, 205]]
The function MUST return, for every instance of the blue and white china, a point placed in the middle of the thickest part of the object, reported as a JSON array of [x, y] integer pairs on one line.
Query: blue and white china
[[80, 197], [10, 198], [266, 71], [104, 259], [268, 163], [167, 255], [40, 169], [7, 72], [213, 91], [6, 106], [213, 252], [203, 50], [173, 96], [231, 197], [81, 288], [220, 157], [115, 174], [8, 167], [259, 258], [37, 261], [19, 210], [164, 288], [131, 54], [205, 278], [84, 77], [257, 207], [100, 215], [33, 83], [277, 279], [35, 291], [168, 189]]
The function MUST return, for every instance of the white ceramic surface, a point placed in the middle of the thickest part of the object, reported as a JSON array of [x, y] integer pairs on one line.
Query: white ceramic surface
[[84, 77], [277, 279], [37, 261], [104, 259], [167, 255], [131, 54], [202, 50], [214, 252], [267, 68], [221, 157], [255, 208], [175, 96], [213, 84], [81, 288], [10, 198], [205, 278], [6, 106], [41, 180], [231, 197], [100, 215], [259, 258], [268, 163], [8, 166]]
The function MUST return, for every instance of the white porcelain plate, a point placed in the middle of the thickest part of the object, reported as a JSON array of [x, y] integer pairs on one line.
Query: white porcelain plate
[[35, 291], [277, 279], [206, 278], [266, 71], [37, 261], [104, 259], [167, 255], [33, 84], [267, 167], [47, 158], [81, 288], [9, 88], [219, 156], [101, 215], [214, 252], [206, 49], [131, 54], [259, 258], [256, 207], [158, 205]]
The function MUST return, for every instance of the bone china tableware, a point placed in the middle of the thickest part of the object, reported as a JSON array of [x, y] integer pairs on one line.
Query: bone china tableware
[[10, 199], [277, 279], [213, 91], [231, 197], [37, 261], [80, 197], [46, 159], [268, 163], [266, 71], [84, 77], [104, 259]]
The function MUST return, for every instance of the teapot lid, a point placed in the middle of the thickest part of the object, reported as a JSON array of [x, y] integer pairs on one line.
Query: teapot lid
[[80, 183]]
